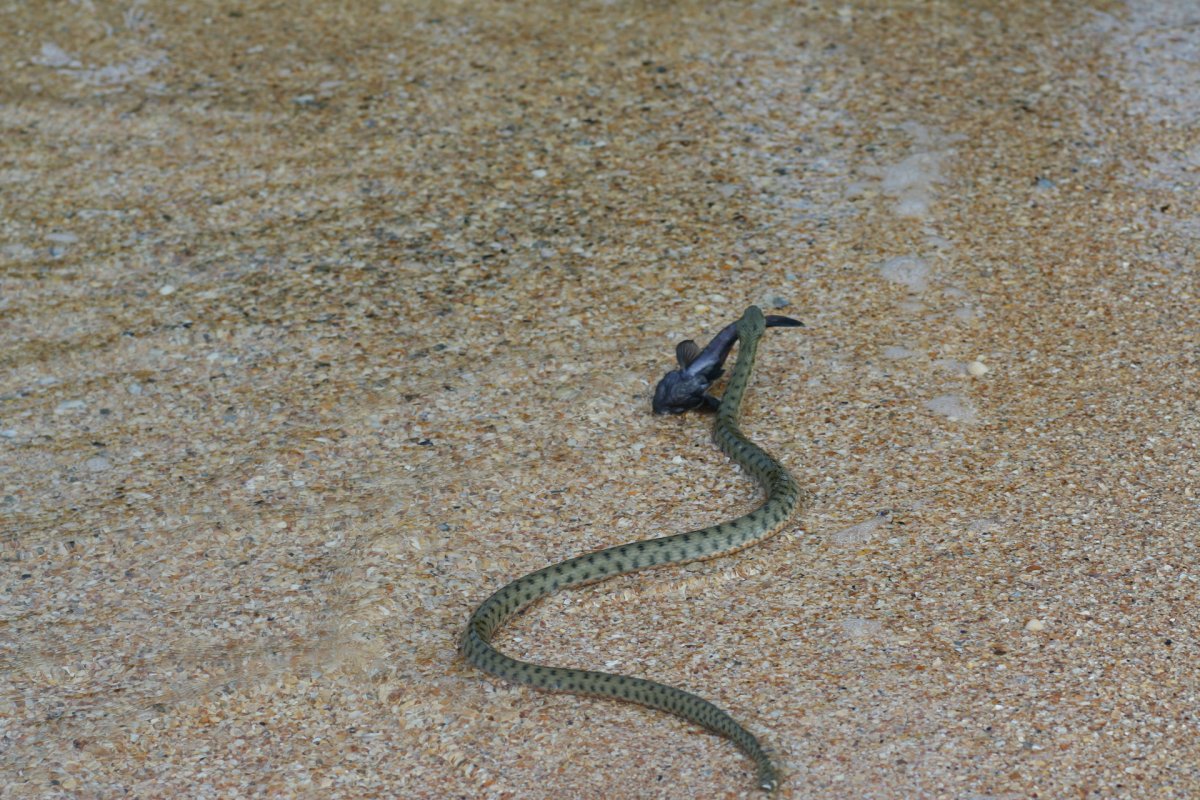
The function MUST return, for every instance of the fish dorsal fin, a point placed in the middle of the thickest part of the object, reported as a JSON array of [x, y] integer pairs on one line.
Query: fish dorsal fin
[[686, 352]]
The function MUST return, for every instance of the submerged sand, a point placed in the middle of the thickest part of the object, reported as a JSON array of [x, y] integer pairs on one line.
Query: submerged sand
[[319, 326]]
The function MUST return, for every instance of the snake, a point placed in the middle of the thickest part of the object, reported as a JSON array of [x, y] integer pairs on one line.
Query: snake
[[679, 390]]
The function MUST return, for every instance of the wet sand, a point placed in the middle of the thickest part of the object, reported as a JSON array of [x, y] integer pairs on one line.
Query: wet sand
[[318, 327]]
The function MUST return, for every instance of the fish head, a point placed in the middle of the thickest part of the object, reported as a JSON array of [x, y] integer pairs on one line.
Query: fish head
[[680, 391]]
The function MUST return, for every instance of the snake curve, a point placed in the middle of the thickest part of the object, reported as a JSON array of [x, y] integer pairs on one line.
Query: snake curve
[[783, 497]]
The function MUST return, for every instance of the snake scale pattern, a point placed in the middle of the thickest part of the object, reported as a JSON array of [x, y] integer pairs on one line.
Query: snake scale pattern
[[782, 498]]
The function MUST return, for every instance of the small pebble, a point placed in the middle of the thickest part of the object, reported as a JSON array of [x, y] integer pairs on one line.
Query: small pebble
[[97, 464], [896, 352], [1035, 625], [953, 407], [976, 368], [69, 405], [911, 271], [166, 290], [9, 433]]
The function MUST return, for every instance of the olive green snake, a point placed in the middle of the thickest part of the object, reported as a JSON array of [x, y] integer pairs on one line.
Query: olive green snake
[[783, 496]]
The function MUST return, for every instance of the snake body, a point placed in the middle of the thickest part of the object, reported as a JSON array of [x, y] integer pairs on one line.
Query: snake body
[[782, 498]]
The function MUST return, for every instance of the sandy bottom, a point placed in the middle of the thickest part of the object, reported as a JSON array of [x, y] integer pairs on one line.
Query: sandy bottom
[[318, 327]]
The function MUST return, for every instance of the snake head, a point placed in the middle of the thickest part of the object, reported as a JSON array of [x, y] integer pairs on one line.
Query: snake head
[[687, 388]]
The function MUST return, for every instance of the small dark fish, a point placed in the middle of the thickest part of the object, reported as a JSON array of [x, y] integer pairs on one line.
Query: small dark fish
[[686, 388]]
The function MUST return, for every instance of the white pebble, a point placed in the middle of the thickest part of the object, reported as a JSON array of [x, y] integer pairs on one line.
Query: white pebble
[[976, 368], [55, 57], [9, 433], [69, 405], [166, 290], [911, 271], [952, 406], [897, 352], [860, 533], [97, 464], [1035, 625], [859, 628]]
